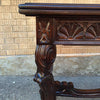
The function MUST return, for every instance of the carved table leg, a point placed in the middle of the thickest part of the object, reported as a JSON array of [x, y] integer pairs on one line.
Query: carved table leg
[[45, 56]]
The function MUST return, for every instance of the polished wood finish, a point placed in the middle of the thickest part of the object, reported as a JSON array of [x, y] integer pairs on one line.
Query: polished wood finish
[[45, 56], [67, 89], [61, 24], [37, 9]]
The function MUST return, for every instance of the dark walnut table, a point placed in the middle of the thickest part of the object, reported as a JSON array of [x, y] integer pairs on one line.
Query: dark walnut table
[[61, 24]]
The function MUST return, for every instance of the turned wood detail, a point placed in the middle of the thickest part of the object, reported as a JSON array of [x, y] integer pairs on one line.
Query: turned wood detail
[[78, 30]]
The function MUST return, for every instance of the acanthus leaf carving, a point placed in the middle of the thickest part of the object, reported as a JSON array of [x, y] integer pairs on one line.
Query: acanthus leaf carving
[[44, 57]]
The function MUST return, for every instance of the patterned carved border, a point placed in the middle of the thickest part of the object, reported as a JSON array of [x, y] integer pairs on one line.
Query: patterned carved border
[[78, 30]]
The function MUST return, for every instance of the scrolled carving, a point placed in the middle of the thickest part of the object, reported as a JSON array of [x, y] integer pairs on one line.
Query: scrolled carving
[[44, 57], [67, 89]]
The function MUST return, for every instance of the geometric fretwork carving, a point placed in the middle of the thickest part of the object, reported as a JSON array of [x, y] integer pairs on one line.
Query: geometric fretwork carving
[[78, 31]]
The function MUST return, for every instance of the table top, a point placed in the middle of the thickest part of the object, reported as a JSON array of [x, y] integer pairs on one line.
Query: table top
[[67, 24], [36, 9]]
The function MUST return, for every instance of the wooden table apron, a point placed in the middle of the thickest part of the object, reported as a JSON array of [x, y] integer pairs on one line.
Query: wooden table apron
[[61, 24]]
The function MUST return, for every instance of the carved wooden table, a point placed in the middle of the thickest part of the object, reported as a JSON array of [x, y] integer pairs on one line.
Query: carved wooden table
[[61, 24]]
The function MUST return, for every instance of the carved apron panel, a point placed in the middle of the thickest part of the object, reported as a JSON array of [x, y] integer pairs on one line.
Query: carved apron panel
[[78, 31]]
